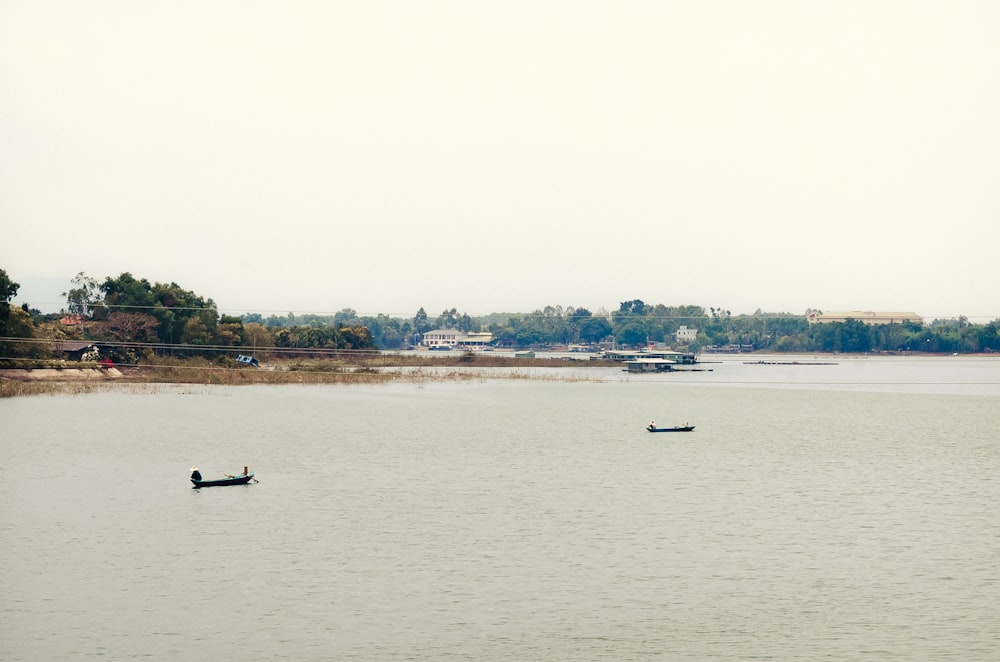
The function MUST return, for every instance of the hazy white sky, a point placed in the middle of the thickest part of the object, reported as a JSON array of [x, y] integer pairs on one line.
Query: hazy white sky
[[310, 156]]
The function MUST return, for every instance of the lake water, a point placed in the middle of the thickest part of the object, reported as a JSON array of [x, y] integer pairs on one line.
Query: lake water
[[840, 512]]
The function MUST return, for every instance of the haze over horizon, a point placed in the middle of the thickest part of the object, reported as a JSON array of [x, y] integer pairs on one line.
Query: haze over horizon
[[388, 156], [59, 304]]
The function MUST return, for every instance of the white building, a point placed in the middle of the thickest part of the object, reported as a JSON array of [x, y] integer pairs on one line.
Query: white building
[[453, 338], [866, 316], [441, 338], [686, 335]]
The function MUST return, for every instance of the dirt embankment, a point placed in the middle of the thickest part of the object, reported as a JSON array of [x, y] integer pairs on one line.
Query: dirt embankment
[[60, 374]]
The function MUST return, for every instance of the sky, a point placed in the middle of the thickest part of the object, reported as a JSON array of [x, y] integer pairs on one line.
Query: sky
[[311, 156]]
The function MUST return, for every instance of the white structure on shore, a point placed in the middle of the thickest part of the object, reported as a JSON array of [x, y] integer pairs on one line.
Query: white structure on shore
[[453, 338], [686, 335], [868, 317]]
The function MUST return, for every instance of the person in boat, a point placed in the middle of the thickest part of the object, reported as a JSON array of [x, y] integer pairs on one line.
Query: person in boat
[[195, 474], [652, 426]]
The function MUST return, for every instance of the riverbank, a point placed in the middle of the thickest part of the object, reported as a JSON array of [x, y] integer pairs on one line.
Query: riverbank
[[385, 368], [378, 369]]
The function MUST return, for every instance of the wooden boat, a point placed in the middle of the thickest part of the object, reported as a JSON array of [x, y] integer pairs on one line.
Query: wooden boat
[[241, 479], [676, 428]]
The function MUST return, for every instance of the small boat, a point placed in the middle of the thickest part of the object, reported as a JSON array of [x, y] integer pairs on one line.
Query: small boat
[[241, 479], [676, 428]]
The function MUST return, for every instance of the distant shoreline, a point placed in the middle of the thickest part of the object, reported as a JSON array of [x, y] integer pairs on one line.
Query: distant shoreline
[[383, 369]]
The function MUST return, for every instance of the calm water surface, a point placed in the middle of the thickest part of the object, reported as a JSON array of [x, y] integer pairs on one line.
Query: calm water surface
[[817, 512]]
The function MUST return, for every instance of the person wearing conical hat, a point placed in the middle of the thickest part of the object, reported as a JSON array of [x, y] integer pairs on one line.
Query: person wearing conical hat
[[195, 474]]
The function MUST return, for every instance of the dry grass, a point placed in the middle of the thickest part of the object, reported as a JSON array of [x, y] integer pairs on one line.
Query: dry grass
[[364, 369], [13, 388]]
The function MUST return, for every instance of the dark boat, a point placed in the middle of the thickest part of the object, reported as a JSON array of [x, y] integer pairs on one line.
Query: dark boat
[[240, 479], [676, 428], [234, 480]]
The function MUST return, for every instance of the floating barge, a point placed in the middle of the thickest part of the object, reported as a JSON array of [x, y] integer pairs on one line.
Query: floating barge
[[655, 360]]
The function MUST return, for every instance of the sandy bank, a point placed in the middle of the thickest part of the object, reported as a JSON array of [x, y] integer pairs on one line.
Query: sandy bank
[[61, 374]]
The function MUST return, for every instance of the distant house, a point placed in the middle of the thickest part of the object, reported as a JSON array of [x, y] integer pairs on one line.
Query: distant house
[[686, 335], [477, 339], [74, 350], [868, 317], [453, 338], [441, 338]]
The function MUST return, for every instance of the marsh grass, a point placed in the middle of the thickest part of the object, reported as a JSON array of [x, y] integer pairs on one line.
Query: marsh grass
[[363, 369], [12, 388]]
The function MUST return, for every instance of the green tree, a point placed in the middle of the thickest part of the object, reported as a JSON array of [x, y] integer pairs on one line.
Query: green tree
[[447, 320], [345, 316], [356, 337], [518, 331], [170, 304], [258, 337], [633, 307], [632, 332], [593, 329], [988, 338], [132, 327], [796, 343], [8, 290], [855, 336], [15, 323], [388, 332], [196, 332], [20, 326], [230, 332], [326, 338], [85, 298], [421, 324]]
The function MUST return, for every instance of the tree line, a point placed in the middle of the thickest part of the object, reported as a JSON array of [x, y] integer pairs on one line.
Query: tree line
[[136, 319], [637, 324], [142, 318]]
